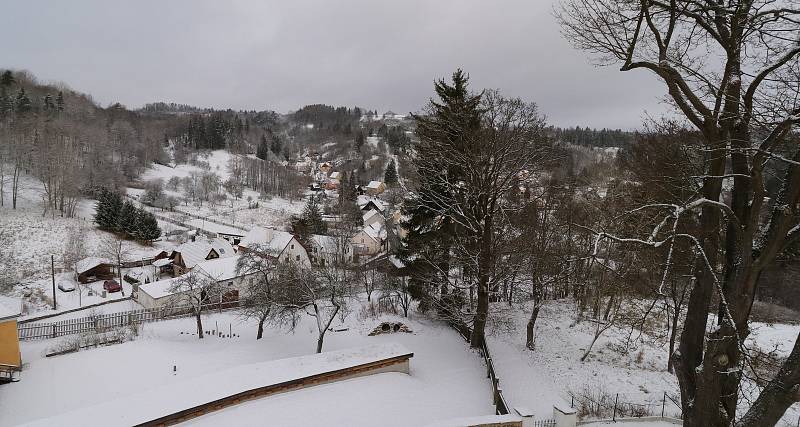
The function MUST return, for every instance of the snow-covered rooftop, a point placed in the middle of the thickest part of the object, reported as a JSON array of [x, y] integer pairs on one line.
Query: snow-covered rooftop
[[197, 251], [369, 214], [270, 239], [89, 263], [374, 185], [376, 231], [178, 394], [221, 268], [326, 243], [10, 307], [160, 288], [364, 200]]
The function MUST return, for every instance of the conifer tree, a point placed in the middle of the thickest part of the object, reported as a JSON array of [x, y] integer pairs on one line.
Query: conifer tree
[[107, 210], [390, 175], [60, 101], [262, 151], [23, 103], [126, 221], [147, 228], [7, 79], [6, 105], [313, 217], [430, 238]]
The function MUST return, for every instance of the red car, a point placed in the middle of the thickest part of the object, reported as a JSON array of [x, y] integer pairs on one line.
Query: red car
[[112, 286]]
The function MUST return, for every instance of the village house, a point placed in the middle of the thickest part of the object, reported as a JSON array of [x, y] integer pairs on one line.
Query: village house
[[371, 217], [92, 269], [222, 270], [156, 294], [10, 357], [280, 245], [186, 256], [368, 203], [328, 249], [370, 240], [325, 167], [374, 188]]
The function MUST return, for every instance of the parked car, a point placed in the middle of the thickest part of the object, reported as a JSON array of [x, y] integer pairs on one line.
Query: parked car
[[66, 286], [112, 286]]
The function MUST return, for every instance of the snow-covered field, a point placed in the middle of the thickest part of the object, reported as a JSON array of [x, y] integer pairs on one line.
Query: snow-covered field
[[239, 212], [447, 380], [33, 238]]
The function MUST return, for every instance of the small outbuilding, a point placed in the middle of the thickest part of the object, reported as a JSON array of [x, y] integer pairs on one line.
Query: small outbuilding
[[10, 357], [374, 188], [92, 269]]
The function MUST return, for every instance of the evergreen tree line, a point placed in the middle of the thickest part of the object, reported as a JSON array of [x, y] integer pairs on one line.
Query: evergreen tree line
[[112, 214], [22, 103], [589, 137]]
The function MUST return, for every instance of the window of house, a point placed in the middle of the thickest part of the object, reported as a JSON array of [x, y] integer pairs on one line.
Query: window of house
[[297, 257], [292, 246]]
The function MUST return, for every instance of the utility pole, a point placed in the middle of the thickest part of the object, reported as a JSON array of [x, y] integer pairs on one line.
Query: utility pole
[[53, 276]]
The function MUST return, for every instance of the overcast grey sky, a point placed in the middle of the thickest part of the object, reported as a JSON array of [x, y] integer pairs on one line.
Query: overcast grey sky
[[284, 54]]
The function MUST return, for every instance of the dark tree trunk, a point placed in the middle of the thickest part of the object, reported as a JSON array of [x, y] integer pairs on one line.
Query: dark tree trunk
[[484, 265], [199, 325], [530, 328], [261, 321]]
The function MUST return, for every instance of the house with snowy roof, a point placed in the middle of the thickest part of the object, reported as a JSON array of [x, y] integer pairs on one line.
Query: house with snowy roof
[[374, 188], [325, 250], [370, 240], [372, 217], [366, 203], [162, 293], [281, 245], [186, 256]]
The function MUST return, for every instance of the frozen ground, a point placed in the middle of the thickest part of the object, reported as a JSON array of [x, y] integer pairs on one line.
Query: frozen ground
[[546, 376], [447, 379], [239, 212], [33, 238]]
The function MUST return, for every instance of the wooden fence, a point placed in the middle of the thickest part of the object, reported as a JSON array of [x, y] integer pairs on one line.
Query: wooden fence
[[105, 322]]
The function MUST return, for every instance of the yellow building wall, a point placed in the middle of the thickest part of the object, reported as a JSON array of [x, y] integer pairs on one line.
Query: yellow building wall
[[9, 344]]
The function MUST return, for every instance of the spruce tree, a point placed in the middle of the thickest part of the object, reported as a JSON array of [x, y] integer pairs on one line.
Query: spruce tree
[[60, 101], [102, 216], [107, 210], [390, 175], [6, 105], [429, 240], [126, 221], [313, 217], [7, 79], [23, 103], [359, 140], [146, 228], [262, 152]]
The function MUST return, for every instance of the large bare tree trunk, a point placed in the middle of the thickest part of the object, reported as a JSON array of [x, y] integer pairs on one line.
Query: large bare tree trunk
[[484, 265]]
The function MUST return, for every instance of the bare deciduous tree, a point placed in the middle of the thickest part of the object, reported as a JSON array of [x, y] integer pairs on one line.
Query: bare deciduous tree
[[197, 291], [731, 69]]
